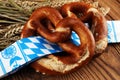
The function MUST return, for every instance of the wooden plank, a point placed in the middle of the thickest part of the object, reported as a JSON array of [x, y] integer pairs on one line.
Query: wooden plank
[[114, 6]]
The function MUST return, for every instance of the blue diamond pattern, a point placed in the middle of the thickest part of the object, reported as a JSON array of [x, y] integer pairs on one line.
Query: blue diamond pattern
[[38, 46]]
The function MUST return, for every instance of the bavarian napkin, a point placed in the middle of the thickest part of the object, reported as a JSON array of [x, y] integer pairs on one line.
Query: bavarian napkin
[[29, 49], [113, 31]]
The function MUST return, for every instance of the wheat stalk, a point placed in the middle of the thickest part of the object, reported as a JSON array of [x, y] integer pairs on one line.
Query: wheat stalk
[[10, 12], [5, 42], [13, 31]]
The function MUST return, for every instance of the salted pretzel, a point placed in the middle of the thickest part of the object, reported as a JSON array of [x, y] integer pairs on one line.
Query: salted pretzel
[[73, 56], [89, 14]]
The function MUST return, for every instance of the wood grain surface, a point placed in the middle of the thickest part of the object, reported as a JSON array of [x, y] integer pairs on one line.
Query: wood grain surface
[[104, 67]]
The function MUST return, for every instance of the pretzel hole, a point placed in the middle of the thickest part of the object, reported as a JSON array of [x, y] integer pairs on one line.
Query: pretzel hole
[[47, 23], [75, 39]]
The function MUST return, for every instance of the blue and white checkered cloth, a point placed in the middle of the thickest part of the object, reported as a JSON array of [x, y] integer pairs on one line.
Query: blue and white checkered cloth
[[29, 49]]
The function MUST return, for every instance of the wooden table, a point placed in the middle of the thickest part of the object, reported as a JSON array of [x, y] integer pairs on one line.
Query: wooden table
[[104, 67]]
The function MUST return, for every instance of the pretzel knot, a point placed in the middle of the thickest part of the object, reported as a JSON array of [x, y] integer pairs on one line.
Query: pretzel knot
[[96, 20], [39, 22], [49, 23]]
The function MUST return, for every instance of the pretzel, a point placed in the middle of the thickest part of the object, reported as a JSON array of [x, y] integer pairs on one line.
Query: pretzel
[[96, 20], [58, 30]]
